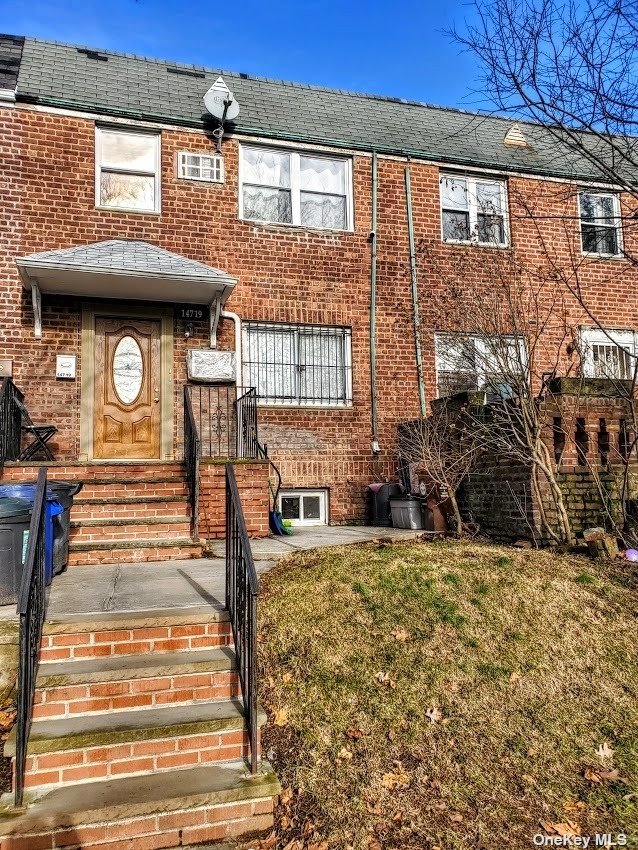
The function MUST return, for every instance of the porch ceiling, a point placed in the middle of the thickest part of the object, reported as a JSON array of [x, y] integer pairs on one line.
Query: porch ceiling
[[124, 269]]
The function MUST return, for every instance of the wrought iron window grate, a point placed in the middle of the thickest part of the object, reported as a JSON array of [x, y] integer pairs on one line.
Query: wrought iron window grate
[[294, 364]]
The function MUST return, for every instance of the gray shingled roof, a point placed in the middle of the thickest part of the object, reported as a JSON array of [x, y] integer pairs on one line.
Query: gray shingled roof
[[125, 256], [10, 55], [125, 85]]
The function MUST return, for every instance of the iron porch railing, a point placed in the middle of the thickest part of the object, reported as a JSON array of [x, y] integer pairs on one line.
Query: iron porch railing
[[192, 454], [226, 420], [31, 609], [11, 400], [242, 589]]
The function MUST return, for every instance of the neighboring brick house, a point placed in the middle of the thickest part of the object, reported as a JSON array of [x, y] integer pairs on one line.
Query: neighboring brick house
[[119, 213]]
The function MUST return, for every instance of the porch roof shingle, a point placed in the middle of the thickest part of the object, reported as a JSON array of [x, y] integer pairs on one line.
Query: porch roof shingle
[[126, 256], [118, 84]]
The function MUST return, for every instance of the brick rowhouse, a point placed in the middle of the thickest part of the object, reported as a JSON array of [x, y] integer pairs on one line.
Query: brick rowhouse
[[284, 273]]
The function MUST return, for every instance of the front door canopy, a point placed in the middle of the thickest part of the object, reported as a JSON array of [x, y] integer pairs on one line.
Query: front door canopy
[[124, 269]]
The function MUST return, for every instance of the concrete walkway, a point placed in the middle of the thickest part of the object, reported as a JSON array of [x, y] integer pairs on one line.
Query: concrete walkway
[[200, 582]]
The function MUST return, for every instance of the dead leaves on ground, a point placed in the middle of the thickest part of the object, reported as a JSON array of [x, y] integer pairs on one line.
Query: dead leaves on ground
[[396, 778], [400, 634], [604, 751], [566, 829], [434, 714], [281, 717], [596, 776], [385, 679]]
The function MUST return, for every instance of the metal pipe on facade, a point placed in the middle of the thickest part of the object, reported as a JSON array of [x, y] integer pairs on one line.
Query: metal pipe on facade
[[373, 309], [238, 353], [415, 294]]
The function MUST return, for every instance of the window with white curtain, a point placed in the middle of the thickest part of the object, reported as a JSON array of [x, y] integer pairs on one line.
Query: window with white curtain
[[608, 354], [127, 174], [473, 210], [466, 363], [298, 364], [294, 188]]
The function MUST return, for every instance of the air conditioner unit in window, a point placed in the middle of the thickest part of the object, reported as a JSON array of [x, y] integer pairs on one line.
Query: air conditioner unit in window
[[208, 168]]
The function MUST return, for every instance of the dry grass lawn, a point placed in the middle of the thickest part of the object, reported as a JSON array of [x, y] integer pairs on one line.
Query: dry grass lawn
[[449, 695]]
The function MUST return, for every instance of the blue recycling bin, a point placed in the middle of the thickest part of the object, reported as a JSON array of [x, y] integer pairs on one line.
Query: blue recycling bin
[[53, 508]]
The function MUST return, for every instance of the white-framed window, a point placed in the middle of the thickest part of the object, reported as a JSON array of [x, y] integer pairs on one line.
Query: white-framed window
[[609, 353], [304, 507], [295, 365], [304, 189], [209, 168], [468, 363], [127, 170], [600, 231], [473, 209]]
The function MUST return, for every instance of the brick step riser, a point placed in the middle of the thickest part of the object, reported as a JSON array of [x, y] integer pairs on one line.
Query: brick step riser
[[134, 759], [98, 644], [137, 489], [134, 555], [134, 530], [135, 510], [72, 700], [182, 828], [86, 472]]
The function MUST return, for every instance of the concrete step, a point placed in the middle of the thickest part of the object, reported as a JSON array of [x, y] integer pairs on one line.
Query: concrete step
[[125, 633], [115, 683], [86, 747], [114, 551], [113, 507], [129, 528], [169, 809]]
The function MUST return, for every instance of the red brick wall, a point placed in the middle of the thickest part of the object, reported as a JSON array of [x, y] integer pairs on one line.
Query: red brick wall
[[252, 483], [284, 274]]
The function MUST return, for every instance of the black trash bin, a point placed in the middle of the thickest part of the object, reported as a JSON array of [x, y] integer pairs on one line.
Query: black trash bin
[[379, 496], [15, 516], [64, 491]]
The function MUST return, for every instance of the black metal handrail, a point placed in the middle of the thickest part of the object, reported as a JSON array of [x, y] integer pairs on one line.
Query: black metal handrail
[[192, 455], [246, 416], [31, 609], [10, 421], [225, 418], [242, 589]]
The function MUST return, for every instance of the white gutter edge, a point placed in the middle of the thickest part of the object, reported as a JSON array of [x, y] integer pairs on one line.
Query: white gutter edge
[[238, 353], [8, 95]]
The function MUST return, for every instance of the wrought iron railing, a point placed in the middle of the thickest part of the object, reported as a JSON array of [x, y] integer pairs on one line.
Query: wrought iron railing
[[242, 589], [192, 454], [31, 608], [10, 421], [226, 420]]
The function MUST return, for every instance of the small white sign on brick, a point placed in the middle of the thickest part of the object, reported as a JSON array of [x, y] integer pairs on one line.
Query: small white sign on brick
[[211, 366]]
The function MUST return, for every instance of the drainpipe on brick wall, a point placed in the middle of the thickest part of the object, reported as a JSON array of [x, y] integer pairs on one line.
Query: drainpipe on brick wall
[[415, 294], [238, 357], [373, 310]]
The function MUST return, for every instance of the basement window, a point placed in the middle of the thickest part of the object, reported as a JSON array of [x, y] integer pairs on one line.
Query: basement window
[[473, 210], [304, 507], [298, 365], [609, 354], [467, 363], [127, 173], [308, 190], [207, 168]]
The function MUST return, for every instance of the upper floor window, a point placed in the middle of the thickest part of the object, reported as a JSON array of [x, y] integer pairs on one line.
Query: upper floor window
[[608, 354], [127, 174], [467, 363], [600, 223], [207, 168], [473, 210], [294, 188], [298, 364]]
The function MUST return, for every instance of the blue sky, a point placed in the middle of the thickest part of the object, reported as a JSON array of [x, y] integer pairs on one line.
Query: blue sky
[[397, 49]]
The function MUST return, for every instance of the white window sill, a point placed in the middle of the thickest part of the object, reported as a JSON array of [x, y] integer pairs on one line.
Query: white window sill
[[288, 225], [135, 210], [475, 244], [593, 256], [294, 406]]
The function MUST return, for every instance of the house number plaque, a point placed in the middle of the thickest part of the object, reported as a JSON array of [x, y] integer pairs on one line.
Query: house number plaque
[[193, 312]]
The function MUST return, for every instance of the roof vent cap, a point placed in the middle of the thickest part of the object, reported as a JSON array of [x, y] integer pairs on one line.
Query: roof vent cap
[[515, 138]]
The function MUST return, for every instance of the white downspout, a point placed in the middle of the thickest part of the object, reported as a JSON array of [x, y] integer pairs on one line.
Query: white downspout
[[238, 359]]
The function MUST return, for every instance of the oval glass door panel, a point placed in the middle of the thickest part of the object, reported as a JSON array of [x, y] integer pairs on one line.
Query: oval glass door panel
[[128, 369]]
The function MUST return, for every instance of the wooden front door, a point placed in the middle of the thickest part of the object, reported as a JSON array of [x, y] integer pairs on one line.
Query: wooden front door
[[127, 404]]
